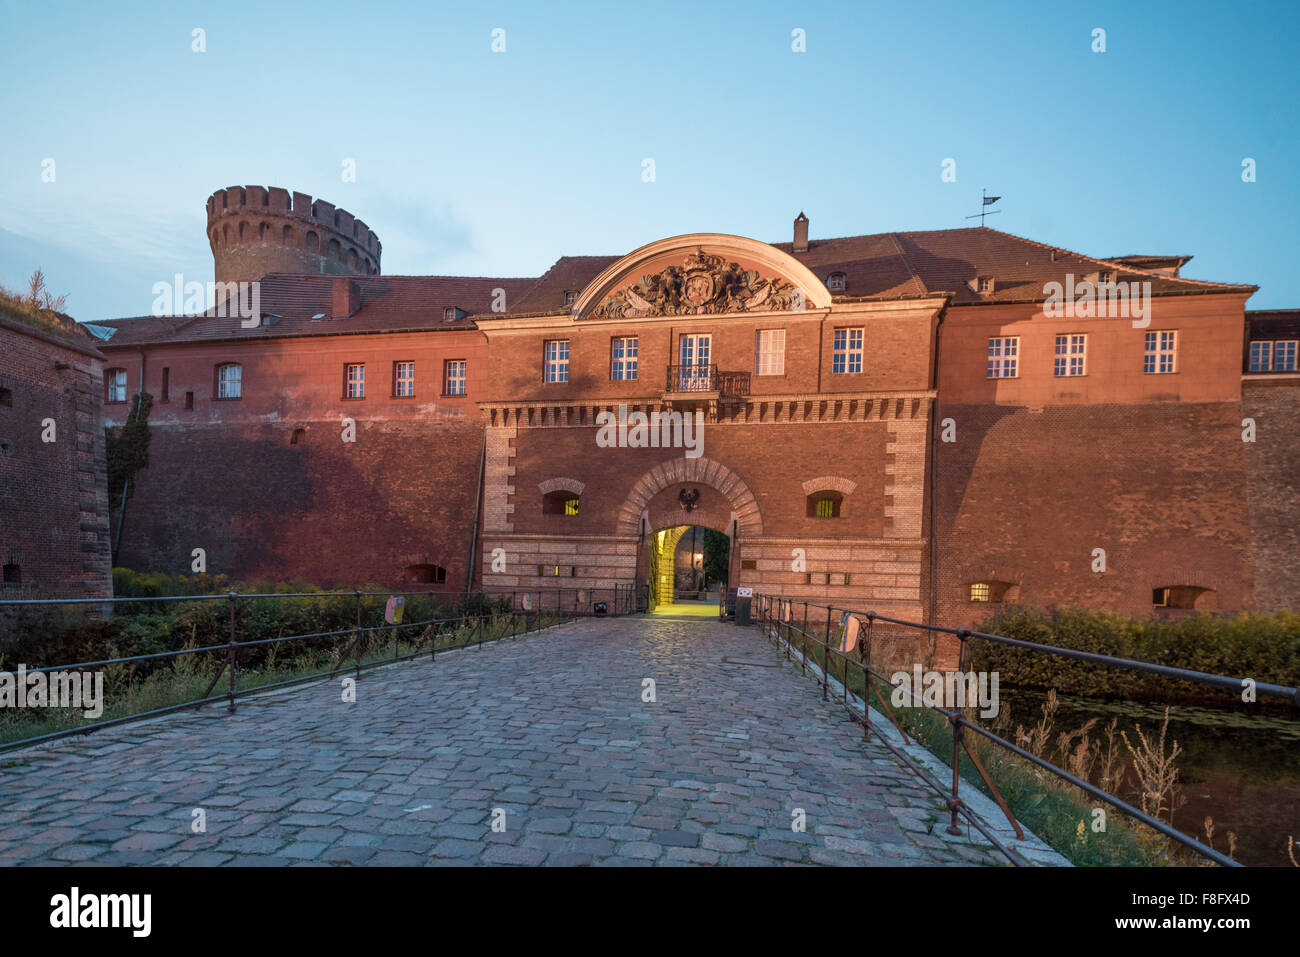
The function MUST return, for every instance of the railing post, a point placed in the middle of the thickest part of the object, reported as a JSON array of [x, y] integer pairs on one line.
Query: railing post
[[826, 657], [957, 735], [356, 648], [232, 658]]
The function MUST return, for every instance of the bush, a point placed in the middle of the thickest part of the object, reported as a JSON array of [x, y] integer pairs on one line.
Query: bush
[[1264, 647]]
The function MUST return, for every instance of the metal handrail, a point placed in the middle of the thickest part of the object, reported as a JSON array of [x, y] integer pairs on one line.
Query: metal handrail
[[960, 722]]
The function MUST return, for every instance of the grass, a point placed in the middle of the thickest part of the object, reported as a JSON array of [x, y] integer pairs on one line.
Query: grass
[[187, 677]]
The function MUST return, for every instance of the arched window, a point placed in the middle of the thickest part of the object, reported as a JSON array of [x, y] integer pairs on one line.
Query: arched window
[[242, 230], [1185, 597], [335, 250], [426, 574], [286, 236], [835, 282], [561, 502], [825, 504], [313, 241], [263, 232], [230, 384], [298, 437]]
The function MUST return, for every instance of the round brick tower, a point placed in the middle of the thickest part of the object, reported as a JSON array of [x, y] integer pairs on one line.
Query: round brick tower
[[254, 231]]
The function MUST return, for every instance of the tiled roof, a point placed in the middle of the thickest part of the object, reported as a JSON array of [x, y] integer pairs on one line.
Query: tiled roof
[[1272, 324], [388, 304], [877, 266]]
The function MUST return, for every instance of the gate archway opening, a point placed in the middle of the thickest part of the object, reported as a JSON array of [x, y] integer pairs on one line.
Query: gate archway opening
[[686, 565]]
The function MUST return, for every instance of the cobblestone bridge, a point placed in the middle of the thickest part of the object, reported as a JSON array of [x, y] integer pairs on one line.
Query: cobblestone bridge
[[551, 729]]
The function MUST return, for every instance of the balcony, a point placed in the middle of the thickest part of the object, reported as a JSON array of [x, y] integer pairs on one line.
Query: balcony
[[707, 379]]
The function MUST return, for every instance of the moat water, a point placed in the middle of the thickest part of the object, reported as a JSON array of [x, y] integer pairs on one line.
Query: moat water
[[1240, 768]]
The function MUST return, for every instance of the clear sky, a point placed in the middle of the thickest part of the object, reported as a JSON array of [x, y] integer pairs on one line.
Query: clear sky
[[480, 163]]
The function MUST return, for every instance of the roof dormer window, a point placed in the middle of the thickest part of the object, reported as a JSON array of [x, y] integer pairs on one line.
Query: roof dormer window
[[1105, 277], [452, 313], [570, 297], [982, 285], [835, 282]]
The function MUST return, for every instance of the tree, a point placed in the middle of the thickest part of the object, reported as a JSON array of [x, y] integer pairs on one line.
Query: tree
[[717, 555]]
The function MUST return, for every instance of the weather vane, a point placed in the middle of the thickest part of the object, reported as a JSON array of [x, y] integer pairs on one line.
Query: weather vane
[[985, 211]]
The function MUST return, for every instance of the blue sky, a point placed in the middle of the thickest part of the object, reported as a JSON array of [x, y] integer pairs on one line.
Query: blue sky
[[480, 163]]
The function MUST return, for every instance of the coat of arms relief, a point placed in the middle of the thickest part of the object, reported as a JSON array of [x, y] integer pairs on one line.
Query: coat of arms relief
[[704, 283]]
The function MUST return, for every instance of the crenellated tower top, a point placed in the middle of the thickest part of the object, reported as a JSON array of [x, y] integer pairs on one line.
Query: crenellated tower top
[[254, 230]]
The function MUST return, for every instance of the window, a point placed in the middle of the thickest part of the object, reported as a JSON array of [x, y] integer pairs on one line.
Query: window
[[1161, 352], [7, 398], [554, 570], [115, 385], [994, 592], [1105, 276], [166, 384], [426, 574], [846, 354], [454, 377], [1185, 596], [1267, 356], [983, 284], [229, 380], [451, 313], [13, 574], [570, 297], [298, 436], [560, 503], [354, 380], [835, 282], [403, 379], [1003, 353], [623, 354], [189, 400], [556, 365], [769, 352], [824, 504], [1071, 355]]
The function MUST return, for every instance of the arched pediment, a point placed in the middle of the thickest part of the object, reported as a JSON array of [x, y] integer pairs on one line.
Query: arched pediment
[[701, 274]]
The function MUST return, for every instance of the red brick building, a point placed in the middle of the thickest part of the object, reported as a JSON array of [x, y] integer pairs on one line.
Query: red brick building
[[54, 536], [922, 423]]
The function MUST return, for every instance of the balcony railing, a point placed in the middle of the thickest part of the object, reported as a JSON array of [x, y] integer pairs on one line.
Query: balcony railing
[[706, 378]]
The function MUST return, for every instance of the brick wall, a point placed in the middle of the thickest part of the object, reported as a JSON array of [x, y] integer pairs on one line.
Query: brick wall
[[53, 495], [1273, 467]]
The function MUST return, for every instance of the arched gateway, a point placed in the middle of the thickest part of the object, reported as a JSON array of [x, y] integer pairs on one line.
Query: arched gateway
[[796, 444]]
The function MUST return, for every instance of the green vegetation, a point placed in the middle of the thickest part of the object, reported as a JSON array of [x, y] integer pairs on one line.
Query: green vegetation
[[50, 637], [1265, 647], [128, 449]]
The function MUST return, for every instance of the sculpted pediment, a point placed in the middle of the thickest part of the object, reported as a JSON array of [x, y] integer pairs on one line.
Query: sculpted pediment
[[701, 274], [702, 283]]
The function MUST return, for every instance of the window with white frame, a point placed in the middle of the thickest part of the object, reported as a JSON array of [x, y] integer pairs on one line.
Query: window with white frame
[[1161, 353], [403, 379], [835, 282], [1261, 356], [1004, 355], [115, 385], [1071, 355], [622, 358], [229, 380], [846, 351], [556, 363], [454, 377], [354, 380], [769, 352], [1284, 355]]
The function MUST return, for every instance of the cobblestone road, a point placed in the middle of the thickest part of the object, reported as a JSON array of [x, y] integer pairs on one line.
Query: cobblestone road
[[551, 729]]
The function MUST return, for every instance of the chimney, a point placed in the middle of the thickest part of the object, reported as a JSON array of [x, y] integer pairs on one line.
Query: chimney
[[801, 233], [346, 298]]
